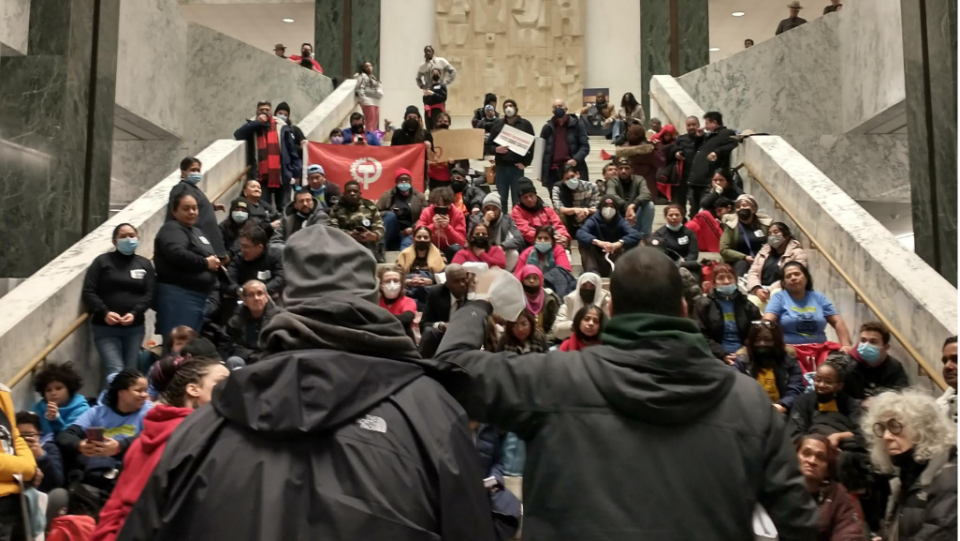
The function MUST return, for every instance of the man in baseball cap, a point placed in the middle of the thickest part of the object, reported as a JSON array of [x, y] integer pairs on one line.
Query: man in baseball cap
[[326, 193]]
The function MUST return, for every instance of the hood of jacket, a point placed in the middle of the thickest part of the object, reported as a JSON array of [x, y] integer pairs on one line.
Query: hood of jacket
[[159, 423], [630, 151], [732, 220], [660, 369]]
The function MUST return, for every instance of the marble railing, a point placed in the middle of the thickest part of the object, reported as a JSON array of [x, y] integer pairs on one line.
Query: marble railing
[[914, 298], [44, 307]]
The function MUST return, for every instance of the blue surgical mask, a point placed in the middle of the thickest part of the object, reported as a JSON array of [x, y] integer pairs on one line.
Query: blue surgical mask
[[869, 353], [727, 290], [544, 247], [194, 178], [127, 246], [320, 192], [572, 183], [674, 227], [404, 186], [282, 117], [239, 216]]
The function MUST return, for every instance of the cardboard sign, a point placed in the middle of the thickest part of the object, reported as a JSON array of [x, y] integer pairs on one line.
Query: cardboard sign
[[456, 145], [373, 167], [518, 141]]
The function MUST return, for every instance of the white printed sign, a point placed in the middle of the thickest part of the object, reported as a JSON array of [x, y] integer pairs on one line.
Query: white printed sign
[[518, 141]]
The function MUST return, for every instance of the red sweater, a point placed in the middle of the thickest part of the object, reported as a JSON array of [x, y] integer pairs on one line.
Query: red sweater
[[494, 257], [455, 233], [138, 464], [528, 221], [401, 305], [573, 344], [708, 231]]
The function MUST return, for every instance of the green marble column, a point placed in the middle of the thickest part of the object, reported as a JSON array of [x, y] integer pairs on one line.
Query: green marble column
[[361, 20], [56, 131], [328, 36], [365, 32], [930, 69], [657, 40]]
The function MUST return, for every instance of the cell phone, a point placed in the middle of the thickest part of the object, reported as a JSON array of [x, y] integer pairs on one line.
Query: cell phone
[[490, 482], [95, 433], [360, 229], [443, 211]]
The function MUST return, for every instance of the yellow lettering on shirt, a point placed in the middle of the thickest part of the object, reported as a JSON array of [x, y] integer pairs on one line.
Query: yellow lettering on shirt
[[828, 406], [729, 316], [768, 380], [122, 430], [804, 309]]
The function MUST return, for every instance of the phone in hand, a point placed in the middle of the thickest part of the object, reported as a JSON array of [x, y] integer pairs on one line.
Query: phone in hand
[[95, 433], [490, 482], [443, 211]]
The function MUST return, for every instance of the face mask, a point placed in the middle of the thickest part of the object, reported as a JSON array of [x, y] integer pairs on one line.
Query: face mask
[[869, 353], [356, 129], [559, 113], [458, 186], [775, 240], [674, 227], [305, 54], [127, 246], [194, 178], [239, 216], [588, 295], [404, 186], [727, 290], [480, 242], [765, 353], [282, 117], [717, 189], [391, 290], [608, 213], [436, 78], [411, 125], [510, 111], [707, 132], [744, 214], [531, 290], [319, 192], [422, 245], [572, 183], [443, 126], [337, 140], [543, 247]]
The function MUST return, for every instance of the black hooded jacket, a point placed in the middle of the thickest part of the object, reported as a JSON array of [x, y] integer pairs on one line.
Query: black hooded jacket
[[336, 433], [645, 437]]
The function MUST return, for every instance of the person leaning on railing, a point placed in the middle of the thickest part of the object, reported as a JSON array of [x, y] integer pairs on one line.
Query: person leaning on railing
[[118, 289]]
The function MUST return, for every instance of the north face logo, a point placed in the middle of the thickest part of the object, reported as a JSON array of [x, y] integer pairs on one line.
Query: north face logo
[[370, 422]]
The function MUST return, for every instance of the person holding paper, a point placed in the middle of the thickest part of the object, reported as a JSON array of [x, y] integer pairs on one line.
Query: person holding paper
[[509, 164]]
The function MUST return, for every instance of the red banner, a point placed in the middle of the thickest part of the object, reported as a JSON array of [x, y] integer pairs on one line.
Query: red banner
[[373, 167]]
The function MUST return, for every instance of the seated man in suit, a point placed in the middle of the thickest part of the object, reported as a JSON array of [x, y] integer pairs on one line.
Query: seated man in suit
[[442, 301]]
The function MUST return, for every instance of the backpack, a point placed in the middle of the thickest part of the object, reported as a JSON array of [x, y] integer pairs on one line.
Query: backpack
[[71, 528]]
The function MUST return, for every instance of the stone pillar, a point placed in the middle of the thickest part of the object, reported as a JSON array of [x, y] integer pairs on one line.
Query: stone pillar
[[930, 70], [347, 32], [56, 131], [674, 39]]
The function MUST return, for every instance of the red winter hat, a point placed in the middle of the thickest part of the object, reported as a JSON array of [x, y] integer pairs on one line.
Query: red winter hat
[[403, 171]]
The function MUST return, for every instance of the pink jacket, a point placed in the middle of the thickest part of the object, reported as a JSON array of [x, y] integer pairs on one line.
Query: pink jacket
[[794, 252], [494, 257], [528, 222]]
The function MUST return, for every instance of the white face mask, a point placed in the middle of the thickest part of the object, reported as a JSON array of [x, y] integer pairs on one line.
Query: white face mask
[[608, 213], [391, 290], [510, 111]]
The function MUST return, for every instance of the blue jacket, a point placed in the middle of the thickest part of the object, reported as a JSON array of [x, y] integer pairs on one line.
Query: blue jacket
[[372, 138], [68, 414], [504, 504], [51, 464], [615, 230], [788, 373], [291, 165]]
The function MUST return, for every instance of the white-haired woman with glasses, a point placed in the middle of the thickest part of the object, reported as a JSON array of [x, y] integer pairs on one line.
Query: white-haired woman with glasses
[[907, 434]]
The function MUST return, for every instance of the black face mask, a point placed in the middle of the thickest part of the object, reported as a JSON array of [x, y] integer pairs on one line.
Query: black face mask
[[436, 78], [422, 245], [588, 295], [745, 214], [458, 186], [765, 354], [411, 125], [356, 128], [480, 242], [531, 290], [824, 398], [305, 54]]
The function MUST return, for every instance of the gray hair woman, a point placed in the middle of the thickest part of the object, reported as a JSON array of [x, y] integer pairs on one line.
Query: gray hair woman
[[907, 431]]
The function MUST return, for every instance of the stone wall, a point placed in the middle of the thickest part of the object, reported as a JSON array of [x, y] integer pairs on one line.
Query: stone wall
[[14, 23]]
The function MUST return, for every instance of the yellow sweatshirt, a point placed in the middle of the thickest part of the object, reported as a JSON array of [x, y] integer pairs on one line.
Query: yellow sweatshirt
[[22, 463]]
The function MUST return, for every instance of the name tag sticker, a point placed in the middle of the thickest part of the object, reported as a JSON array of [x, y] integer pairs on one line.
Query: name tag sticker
[[138, 274], [203, 239], [264, 275], [758, 233], [683, 241]]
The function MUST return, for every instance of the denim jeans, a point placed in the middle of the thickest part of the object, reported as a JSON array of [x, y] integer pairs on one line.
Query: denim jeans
[[393, 236], [617, 129], [178, 306], [508, 184], [119, 347], [645, 215]]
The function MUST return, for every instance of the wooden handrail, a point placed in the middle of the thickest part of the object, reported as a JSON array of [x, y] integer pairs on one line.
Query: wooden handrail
[[82, 318], [924, 366]]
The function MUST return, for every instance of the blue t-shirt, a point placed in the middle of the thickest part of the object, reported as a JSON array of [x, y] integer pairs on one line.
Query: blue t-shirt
[[803, 321], [731, 334], [114, 424]]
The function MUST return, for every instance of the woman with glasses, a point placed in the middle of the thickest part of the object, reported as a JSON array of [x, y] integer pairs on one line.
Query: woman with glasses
[[766, 360], [909, 436]]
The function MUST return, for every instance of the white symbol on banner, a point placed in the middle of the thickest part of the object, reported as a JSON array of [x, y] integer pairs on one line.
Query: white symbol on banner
[[366, 171]]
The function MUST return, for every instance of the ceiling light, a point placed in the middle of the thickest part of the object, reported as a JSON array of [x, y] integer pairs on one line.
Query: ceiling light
[[714, 49], [738, 13], [288, 21]]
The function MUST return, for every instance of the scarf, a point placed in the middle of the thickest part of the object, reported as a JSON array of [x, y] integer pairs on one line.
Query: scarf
[[268, 156], [543, 262], [534, 305]]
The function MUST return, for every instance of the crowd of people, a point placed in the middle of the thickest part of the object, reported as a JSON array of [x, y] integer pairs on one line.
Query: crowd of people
[[357, 399]]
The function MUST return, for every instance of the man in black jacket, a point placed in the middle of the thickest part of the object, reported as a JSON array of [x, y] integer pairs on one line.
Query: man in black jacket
[[442, 301], [684, 150], [509, 165], [303, 212], [240, 344], [646, 436], [871, 369], [336, 433], [282, 161], [566, 142], [257, 261], [714, 153]]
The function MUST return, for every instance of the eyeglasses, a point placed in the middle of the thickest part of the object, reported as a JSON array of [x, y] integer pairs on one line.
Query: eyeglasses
[[892, 425]]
